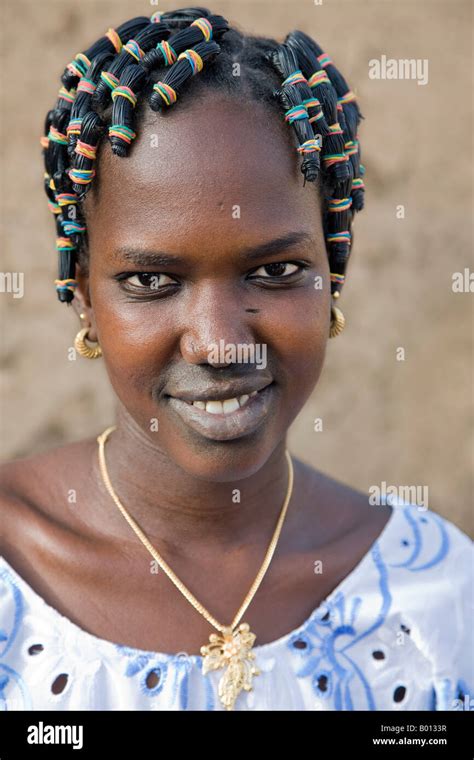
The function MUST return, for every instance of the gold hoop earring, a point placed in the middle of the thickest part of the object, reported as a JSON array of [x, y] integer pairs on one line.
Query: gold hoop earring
[[81, 346], [337, 322]]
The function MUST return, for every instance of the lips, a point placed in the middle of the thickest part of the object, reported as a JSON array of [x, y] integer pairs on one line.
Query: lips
[[221, 416], [222, 391]]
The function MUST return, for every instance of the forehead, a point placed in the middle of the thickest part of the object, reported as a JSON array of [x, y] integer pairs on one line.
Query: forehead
[[197, 170]]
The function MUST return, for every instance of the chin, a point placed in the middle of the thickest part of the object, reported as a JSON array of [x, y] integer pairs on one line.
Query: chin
[[224, 461]]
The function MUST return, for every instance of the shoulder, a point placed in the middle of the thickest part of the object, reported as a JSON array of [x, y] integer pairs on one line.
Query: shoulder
[[338, 511], [31, 488], [425, 561], [430, 541], [425, 566], [429, 565], [418, 536]]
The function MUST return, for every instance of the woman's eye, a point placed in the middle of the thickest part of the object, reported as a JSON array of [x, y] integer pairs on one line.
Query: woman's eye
[[149, 280], [278, 269]]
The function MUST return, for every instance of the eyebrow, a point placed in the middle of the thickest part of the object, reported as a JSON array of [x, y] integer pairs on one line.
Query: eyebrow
[[142, 257]]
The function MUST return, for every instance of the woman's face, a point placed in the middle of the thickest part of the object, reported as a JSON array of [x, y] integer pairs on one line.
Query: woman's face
[[193, 298]]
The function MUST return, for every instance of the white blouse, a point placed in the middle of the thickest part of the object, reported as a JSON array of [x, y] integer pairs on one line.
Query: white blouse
[[395, 634]]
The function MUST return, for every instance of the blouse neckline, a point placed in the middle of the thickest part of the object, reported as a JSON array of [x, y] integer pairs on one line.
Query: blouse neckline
[[262, 649]]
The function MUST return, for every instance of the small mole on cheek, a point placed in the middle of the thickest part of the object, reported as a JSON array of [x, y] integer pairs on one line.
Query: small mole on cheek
[[253, 311]]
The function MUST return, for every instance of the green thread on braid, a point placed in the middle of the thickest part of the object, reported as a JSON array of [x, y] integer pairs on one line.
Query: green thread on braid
[[118, 130]]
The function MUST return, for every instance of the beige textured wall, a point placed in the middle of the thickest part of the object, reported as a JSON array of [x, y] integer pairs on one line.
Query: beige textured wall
[[405, 423]]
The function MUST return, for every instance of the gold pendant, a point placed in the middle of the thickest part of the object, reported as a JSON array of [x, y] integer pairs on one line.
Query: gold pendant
[[231, 650]]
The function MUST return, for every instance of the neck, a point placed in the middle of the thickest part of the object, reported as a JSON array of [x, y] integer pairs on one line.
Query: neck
[[180, 509]]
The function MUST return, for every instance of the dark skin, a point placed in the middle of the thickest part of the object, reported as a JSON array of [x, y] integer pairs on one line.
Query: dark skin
[[83, 557]]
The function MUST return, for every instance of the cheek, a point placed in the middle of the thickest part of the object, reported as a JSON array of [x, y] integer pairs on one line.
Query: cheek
[[137, 342], [297, 335]]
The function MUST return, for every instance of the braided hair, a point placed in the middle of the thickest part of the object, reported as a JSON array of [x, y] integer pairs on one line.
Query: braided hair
[[154, 61]]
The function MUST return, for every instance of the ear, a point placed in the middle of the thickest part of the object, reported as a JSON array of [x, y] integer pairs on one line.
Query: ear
[[81, 303]]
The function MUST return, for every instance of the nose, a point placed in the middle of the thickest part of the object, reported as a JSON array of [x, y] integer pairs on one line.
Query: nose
[[216, 317]]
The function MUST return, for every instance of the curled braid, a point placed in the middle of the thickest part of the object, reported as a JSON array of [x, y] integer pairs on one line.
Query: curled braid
[[155, 61], [184, 61], [201, 29], [82, 172], [69, 184], [57, 161], [333, 156], [111, 42], [82, 102], [348, 110], [125, 98], [339, 151], [189, 63], [132, 52], [295, 96]]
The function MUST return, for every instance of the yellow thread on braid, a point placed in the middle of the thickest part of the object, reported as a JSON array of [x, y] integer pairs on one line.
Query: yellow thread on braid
[[167, 93], [68, 284], [115, 39], [196, 58], [204, 25], [124, 92]]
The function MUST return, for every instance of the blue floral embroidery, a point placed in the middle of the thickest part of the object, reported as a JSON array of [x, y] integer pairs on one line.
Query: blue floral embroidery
[[10, 678], [328, 664], [18, 602], [176, 667], [145, 665], [418, 541]]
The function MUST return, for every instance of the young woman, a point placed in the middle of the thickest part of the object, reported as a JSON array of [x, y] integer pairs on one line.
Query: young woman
[[203, 184]]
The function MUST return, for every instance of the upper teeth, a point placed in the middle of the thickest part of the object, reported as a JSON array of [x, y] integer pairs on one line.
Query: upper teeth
[[225, 406]]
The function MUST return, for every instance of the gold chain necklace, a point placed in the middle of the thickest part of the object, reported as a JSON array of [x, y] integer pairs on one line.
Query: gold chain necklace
[[232, 648]]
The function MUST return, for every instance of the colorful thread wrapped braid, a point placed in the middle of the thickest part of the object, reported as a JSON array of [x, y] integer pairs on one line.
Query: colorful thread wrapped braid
[[132, 52], [189, 63], [341, 150], [156, 60], [296, 98]]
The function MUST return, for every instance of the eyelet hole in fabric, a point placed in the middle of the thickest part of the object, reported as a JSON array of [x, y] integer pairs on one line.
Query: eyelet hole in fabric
[[299, 644], [59, 683], [380, 656], [399, 694], [35, 649], [322, 683], [153, 679]]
